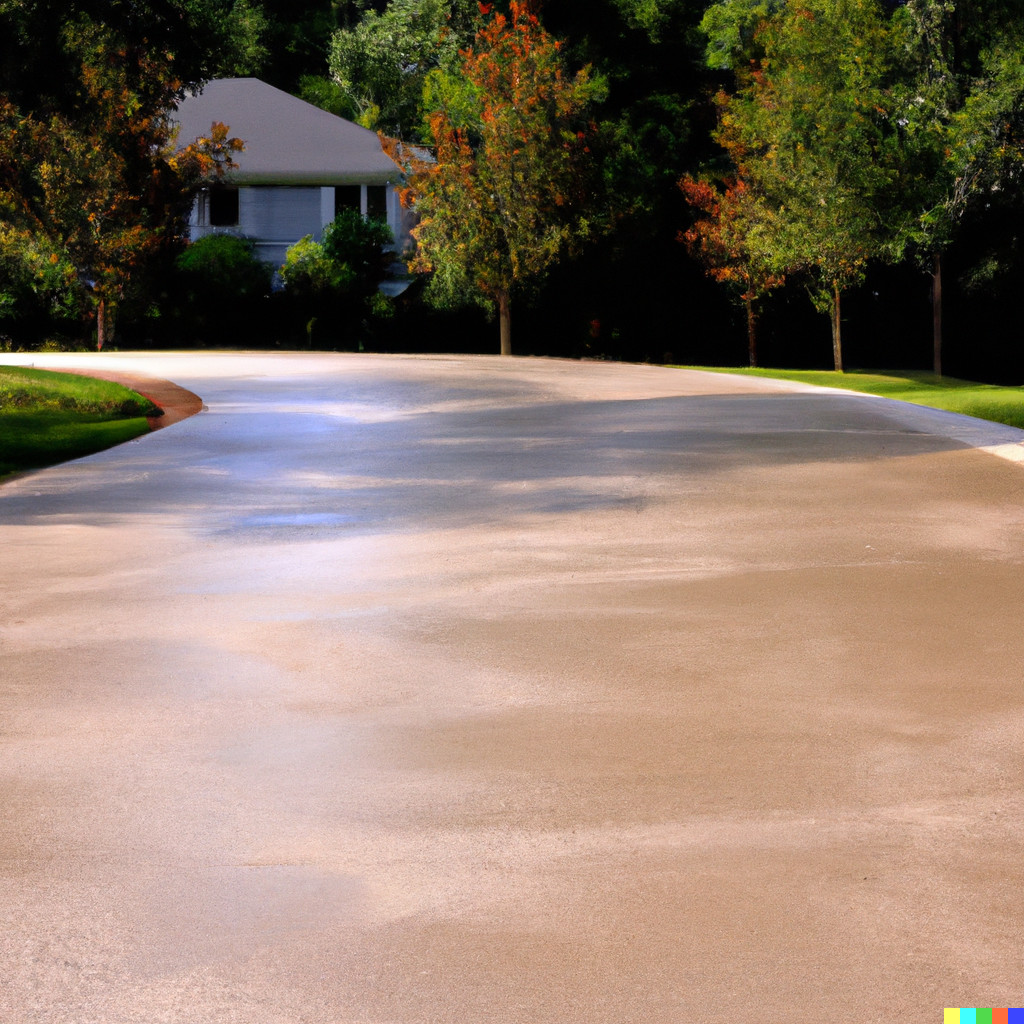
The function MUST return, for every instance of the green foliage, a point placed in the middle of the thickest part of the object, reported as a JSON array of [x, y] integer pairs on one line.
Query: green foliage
[[988, 131], [308, 272], [810, 132], [731, 28], [957, 100], [297, 37], [349, 261], [359, 244], [244, 30], [198, 39], [219, 290], [331, 285], [381, 63], [86, 166], [225, 266], [35, 279], [325, 93], [512, 186], [654, 17]]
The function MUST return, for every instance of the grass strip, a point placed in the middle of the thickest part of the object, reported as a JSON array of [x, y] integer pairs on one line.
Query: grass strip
[[48, 417], [984, 401]]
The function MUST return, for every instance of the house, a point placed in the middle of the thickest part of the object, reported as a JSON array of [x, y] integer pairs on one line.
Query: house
[[300, 167]]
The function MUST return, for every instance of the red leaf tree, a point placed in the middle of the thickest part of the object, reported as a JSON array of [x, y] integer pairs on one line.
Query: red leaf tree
[[725, 237], [511, 188]]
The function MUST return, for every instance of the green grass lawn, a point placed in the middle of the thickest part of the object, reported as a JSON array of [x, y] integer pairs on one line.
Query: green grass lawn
[[986, 401], [48, 417]]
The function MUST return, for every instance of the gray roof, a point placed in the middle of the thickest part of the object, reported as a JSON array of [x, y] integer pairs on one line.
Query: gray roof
[[287, 141]]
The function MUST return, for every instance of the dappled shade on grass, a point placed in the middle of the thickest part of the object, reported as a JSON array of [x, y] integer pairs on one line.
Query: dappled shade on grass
[[48, 417]]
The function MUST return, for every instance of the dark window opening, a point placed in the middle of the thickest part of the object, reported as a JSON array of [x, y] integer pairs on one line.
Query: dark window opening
[[223, 207], [347, 197], [376, 202]]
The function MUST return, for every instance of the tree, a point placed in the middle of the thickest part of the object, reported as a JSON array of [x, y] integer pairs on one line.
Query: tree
[[511, 188], [360, 244], [198, 39], [297, 38], [381, 63], [727, 238], [36, 283], [956, 102], [98, 185], [731, 28], [812, 121]]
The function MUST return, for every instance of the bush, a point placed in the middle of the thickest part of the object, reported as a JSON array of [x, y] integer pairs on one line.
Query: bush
[[224, 266], [220, 289], [309, 273], [331, 286], [359, 245]]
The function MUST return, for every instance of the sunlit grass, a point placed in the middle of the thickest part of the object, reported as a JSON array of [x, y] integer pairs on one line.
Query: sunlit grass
[[985, 401], [48, 417]]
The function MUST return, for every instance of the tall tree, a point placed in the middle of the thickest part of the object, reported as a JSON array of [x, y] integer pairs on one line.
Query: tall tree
[[381, 62], [728, 237], [40, 73], [813, 122], [511, 188], [90, 175], [298, 35], [957, 103]]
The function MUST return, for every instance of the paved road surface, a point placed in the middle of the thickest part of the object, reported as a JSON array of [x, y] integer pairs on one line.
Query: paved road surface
[[475, 690]]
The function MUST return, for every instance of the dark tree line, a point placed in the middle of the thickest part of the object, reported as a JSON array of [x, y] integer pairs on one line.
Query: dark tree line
[[860, 154]]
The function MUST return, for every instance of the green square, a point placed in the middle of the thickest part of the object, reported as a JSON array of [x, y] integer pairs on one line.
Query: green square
[[984, 1016]]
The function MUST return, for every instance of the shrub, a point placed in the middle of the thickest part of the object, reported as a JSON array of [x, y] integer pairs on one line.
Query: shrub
[[224, 266], [220, 289], [308, 272], [331, 286], [360, 245]]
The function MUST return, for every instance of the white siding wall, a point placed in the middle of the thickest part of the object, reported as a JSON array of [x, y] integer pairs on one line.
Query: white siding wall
[[326, 205], [276, 217]]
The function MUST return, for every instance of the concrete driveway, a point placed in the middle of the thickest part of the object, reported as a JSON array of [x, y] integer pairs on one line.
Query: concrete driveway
[[467, 690]]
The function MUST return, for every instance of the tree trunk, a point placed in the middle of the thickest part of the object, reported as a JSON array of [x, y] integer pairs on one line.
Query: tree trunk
[[937, 315], [505, 321], [837, 329], [101, 325], [751, 332]]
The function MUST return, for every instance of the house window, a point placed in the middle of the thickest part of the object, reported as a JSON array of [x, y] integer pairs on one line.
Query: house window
[[222, 208], [376, 202], [347, 197]]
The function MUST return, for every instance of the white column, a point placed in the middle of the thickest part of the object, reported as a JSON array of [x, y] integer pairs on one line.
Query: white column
[[326, 205]]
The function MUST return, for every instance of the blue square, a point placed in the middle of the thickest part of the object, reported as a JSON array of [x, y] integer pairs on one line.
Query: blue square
[[1015, 1015]]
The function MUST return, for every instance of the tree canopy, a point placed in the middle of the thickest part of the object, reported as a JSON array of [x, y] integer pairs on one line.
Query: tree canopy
[[382, 62], [90, 180], [509, 188], [855, 150]]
